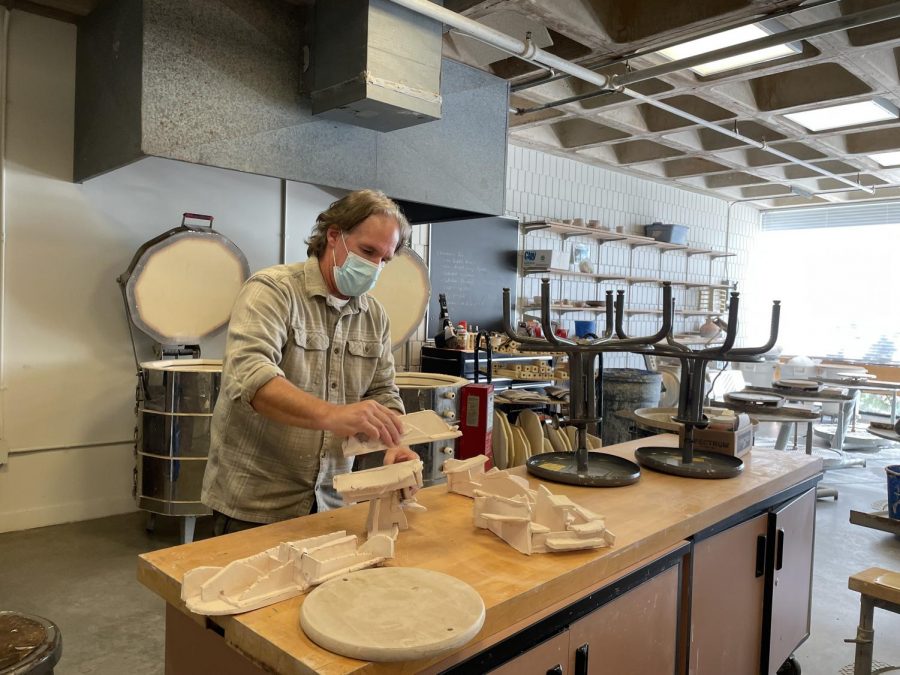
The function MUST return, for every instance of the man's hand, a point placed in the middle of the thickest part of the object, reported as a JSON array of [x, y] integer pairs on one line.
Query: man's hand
[[369, 418], [399, 454]]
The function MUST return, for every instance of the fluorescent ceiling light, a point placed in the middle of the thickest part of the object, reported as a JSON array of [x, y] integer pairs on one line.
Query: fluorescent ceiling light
[[891, 158], [846, 115], [729, 38]]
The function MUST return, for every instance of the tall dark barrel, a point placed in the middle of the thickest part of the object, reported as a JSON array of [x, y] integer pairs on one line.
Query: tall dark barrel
[[626, 389]]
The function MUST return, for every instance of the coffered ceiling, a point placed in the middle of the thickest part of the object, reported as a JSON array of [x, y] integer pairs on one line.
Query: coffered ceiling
[[611, 129]]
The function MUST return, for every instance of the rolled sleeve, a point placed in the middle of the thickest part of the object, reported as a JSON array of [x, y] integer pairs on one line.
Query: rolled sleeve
[[257, 334]]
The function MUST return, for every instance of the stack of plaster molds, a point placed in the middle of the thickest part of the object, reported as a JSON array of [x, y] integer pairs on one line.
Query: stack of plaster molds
[[531, 521], [279, 573]]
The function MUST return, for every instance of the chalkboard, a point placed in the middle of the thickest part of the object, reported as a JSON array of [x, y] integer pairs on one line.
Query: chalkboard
[[471, 262]]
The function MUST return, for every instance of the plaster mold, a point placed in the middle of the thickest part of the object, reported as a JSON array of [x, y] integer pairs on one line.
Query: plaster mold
[[389, 491], [425, 426], [531, 521], [279, 573]]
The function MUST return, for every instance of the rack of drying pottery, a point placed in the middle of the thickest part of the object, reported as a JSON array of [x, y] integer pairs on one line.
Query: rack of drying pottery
[[585, 381], [581, 467]]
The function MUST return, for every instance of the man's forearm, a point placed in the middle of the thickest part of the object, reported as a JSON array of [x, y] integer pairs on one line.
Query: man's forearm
[[281, 401]]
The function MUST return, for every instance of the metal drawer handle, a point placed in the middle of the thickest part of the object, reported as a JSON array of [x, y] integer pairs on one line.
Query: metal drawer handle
[[760, 555], [779, 551], [581, 659]]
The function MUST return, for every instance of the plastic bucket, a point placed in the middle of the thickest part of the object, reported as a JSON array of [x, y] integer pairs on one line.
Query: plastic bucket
[[893, 487], [582, 328], [626, 389]]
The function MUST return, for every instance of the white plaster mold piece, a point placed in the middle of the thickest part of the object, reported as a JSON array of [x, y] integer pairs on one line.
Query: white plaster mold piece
[[389, 490], [279, 573], [531, 521], [425, 426]]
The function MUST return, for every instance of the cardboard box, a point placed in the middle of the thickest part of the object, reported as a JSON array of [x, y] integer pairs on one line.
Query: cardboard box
[[735, 443], [476, 422], [545, 258]]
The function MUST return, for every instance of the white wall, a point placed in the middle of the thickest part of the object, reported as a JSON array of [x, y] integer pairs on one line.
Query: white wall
[[540, 186], [69, 375]]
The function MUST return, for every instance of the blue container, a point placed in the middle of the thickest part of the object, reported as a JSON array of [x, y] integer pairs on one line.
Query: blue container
[[582, 328], [893, 485], [674, 234]]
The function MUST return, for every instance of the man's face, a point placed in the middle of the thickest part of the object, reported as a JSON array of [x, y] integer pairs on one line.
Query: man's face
[[374, 239]]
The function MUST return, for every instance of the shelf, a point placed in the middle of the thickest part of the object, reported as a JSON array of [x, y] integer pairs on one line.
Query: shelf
[[568, 308], [567, 230], [498, 357], [573, 273], [602, 310], [624, 277]]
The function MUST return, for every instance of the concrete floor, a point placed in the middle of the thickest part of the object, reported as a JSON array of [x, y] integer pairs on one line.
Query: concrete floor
[[82, 576]]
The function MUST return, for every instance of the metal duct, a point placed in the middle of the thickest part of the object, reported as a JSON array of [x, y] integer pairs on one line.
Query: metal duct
[[218, 82], [383, 73]]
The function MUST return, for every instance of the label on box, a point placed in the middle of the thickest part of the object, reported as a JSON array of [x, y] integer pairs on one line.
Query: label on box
[[735, 443]]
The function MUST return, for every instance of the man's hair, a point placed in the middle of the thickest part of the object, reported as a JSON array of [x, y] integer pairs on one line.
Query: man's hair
[[349, 211]]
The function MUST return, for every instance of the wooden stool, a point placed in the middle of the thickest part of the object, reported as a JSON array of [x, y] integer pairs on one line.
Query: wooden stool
[[877, 588]]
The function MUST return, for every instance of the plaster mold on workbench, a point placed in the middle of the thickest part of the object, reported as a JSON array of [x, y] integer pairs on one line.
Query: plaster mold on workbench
[[279, 573], [389, 489], [531, 521], [425, 426]]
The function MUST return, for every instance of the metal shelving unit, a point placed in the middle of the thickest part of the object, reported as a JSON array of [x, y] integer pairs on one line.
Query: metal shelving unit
[[711, 295]]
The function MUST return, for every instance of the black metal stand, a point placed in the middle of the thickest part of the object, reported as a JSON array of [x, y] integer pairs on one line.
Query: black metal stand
[[585, 468], [686, 461]]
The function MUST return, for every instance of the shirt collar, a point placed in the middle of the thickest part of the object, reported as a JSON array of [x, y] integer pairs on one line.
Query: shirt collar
[[315, 284]]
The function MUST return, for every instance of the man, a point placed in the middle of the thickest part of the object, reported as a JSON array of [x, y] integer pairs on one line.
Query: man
[[307, 364]]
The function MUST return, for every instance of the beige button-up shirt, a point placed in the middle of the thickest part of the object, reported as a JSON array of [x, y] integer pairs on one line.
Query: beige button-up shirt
[[281, 325]]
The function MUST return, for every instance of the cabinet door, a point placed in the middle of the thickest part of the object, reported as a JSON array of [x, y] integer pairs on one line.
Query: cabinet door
[[793, 530], [549, 657], [727, 591], [637, 633]]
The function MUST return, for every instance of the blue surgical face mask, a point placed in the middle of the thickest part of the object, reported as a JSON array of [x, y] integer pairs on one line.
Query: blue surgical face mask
[[357, 275]]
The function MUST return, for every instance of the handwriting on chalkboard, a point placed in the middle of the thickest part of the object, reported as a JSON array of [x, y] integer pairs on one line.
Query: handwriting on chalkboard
[[472, 261]]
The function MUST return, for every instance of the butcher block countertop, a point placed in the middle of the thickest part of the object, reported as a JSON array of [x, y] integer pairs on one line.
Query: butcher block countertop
[[648, 518]]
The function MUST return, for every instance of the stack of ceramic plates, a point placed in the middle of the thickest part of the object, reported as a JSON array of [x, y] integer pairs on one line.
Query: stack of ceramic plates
[[513, 444], [805, 385]]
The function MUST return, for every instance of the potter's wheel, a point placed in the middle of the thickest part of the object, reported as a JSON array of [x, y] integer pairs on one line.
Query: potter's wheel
[[853, 440], [392, 614]]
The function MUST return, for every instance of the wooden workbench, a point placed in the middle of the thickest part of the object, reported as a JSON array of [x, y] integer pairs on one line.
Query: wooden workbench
[[649, 518]]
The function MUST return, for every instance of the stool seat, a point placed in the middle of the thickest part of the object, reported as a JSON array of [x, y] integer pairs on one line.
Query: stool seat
[[877, 587], [28, 644], [877, 583]]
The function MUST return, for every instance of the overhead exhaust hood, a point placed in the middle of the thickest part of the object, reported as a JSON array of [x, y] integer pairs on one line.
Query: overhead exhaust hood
[[377, 65], [263, 86]]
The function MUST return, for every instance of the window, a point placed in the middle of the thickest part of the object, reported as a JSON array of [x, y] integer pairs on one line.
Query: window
[[838, 284]]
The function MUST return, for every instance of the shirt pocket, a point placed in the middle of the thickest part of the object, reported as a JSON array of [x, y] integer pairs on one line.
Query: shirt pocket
[[361, 362], [305, 360]]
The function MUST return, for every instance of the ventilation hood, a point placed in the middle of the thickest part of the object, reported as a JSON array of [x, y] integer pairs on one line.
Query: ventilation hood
[[243, 86]]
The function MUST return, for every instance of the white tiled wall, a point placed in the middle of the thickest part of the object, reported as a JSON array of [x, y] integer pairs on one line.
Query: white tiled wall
[[540, 186]]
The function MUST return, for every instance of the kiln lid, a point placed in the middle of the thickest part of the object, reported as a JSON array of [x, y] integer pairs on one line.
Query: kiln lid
[[404, 289], [180, 286]]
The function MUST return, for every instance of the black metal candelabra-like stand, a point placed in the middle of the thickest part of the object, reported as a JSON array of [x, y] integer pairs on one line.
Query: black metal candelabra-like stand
[[685, 460], [582, 467]]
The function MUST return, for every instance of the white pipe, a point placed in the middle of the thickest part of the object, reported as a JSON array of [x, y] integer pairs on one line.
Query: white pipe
[[4, 67], [528, 51]]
